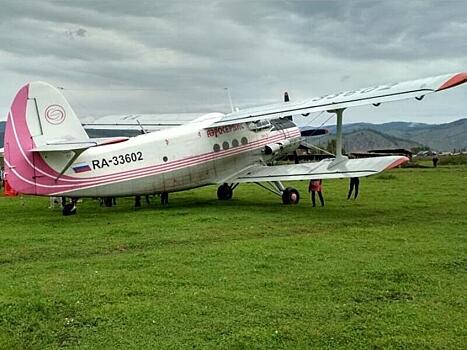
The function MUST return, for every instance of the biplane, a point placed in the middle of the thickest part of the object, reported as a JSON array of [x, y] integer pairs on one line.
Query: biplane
[[48, 152]]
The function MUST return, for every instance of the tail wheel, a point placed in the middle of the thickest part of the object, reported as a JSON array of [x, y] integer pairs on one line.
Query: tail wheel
[[69, 209], [224, 192], [290, 196]]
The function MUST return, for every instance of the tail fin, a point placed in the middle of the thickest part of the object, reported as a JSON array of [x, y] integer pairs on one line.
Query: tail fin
[[39, 115], [49, 116]]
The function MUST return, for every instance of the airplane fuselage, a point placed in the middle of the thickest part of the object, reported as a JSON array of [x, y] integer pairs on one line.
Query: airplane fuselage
[[189, 156]]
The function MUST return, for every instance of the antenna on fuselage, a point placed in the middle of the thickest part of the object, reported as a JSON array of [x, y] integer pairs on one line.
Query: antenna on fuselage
[[286, 99], [230, 99]]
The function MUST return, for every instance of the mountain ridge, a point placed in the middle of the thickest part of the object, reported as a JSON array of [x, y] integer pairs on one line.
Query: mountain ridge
[[439, 137]]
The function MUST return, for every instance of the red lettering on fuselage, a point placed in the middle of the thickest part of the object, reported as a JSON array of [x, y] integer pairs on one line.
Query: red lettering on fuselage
[[220, 130]]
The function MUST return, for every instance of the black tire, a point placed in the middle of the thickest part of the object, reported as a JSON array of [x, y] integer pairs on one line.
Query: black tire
[[69, 209], [290, 196], [224, 192]]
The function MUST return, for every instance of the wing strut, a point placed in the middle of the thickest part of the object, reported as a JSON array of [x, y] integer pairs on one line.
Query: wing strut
[[76, 154], [339, 156]]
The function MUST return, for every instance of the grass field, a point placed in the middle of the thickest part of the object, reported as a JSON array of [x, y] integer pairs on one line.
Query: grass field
[[386, 271]]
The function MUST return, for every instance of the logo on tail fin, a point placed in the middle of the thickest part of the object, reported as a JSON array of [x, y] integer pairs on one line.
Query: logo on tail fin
[[55, 114]]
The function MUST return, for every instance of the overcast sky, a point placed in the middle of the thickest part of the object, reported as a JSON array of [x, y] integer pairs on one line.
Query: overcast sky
[[119, 57]]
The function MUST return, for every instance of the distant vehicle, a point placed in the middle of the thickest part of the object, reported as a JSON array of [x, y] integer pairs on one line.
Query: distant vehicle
[[48, 153], [426, 154]]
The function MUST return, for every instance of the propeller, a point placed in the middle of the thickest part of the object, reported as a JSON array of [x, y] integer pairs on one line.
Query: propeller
[[307, 131]]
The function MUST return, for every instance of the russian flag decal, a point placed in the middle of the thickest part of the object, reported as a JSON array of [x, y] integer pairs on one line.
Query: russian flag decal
[[81, 167]]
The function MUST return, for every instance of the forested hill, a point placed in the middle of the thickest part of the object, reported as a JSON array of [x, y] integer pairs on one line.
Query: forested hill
[[440, 137], [364, 140]]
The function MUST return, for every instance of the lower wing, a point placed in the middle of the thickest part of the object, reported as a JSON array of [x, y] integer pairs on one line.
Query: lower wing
[[325, 169]]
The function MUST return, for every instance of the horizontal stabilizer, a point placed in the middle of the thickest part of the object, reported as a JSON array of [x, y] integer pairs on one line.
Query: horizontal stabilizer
[[77, 145], [325, 169]]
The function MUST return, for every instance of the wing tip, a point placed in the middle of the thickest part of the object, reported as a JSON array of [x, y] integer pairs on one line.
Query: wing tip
[[456, 79], [401, 160]]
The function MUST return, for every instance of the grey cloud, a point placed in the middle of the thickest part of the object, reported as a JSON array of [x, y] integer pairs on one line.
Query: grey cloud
[[72, 34], [185, 52]]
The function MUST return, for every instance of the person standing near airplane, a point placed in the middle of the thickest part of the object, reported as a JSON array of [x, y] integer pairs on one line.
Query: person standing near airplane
[[354, 183], [2, 177], [316, 186]]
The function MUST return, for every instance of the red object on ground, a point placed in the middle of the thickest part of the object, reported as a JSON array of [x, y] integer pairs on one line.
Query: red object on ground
[[10, 192]]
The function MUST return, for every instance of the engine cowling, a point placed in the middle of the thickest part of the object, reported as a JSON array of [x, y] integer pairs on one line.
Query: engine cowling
[[272, 148], [281, 147]]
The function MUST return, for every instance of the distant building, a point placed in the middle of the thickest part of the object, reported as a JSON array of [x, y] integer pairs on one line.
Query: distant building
[[383, 152]]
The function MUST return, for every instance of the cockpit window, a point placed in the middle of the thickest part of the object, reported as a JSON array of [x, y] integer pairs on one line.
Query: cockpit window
[[282, 123], [259, 125]]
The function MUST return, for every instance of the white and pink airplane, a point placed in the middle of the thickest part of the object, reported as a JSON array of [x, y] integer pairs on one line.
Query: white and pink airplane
[[48, 153]]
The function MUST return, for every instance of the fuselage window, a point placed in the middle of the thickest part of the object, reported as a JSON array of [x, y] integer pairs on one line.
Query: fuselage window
[[225, 145], [235, 143], [244, 140], [165, 159], [216, 147]]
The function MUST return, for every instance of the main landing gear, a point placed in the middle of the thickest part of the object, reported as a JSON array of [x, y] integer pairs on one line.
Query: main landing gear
[[289, 195], [225, 191]]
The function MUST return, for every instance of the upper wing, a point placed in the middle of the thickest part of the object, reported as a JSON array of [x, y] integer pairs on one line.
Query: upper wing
[[149, 122], [325, 169], [372, 95]]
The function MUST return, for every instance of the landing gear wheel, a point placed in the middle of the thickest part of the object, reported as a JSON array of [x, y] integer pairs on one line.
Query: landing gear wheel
[[290, 196], [69, 209], [224, 192]]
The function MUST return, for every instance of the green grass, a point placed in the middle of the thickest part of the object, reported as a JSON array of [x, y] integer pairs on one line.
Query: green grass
[[386, 271], [458, 159]]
